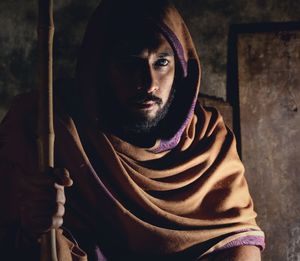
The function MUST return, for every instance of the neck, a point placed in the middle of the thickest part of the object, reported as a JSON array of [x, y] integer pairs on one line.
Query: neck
[[139, 139]]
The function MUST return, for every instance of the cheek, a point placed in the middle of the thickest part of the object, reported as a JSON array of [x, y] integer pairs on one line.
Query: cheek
[[120, 83], [166, 85]]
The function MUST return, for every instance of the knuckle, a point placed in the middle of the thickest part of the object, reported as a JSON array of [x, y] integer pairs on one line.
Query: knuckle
[[66, 172], [62, 177], [51, 222], [46, 223], [56, 222], [63, 199], [60, 210], [59, 188], [60, 195]]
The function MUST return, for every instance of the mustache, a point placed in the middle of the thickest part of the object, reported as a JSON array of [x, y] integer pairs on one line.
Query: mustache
[[142, 98]]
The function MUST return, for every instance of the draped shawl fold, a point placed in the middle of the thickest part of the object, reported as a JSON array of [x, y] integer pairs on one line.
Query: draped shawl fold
[[184, 197]]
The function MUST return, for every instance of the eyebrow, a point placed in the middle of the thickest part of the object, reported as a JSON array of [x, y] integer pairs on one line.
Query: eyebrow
[[165, 53]]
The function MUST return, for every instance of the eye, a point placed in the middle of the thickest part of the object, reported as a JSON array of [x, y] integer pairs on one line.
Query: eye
[[129, 62], [162, 62]]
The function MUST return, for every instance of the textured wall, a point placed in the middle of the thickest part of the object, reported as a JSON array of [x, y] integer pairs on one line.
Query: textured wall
[[269, 65], [18, 41], [209, 21]]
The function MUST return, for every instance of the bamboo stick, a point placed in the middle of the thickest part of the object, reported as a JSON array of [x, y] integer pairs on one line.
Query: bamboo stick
[[46, 136]]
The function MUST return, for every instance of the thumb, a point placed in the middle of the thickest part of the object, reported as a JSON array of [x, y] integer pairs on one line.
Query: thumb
[[62, 177]]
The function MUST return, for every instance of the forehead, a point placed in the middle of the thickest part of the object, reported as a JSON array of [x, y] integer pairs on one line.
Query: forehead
[[152, 42]]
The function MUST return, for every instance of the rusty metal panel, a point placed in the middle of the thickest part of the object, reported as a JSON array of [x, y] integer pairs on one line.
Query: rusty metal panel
[[269, 100]]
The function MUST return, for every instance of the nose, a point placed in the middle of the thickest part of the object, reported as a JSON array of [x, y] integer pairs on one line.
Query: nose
[[149, 80]]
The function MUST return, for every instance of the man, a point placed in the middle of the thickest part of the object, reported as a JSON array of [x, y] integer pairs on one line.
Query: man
[[152, 175]]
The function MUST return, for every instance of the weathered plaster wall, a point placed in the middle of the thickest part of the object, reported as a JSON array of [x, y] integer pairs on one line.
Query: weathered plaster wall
[[209, 21], [18, 39], [269, 65]]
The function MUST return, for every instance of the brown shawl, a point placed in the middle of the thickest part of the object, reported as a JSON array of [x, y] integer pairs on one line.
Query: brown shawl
[[183, 198]]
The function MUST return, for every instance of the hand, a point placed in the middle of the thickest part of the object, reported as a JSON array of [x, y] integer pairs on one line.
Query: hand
[[42, 200]]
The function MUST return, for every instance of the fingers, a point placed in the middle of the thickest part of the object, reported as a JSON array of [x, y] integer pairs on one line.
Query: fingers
[[38, 217], [35, 211], [59, 175], [60, 194], [62, 177], [42, 199], [41, 225], [49, 202]]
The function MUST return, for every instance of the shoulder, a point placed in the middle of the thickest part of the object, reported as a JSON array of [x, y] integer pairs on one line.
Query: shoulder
[[20, 116], [218, 108], [209, 120], [17, 136]]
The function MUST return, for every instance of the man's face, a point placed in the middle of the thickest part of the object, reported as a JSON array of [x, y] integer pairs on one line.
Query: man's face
[[142, 81]]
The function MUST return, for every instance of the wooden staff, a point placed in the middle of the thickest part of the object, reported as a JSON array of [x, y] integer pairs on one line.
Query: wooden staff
[[45, 109]]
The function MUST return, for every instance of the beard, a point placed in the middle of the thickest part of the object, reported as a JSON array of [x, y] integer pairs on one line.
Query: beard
[[120, 120]]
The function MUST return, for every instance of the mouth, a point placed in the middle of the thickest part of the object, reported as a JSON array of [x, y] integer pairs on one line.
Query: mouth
[[145, 106]]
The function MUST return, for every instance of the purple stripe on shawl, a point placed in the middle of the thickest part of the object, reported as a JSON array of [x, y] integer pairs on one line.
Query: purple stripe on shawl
[[251, 240], [258, 241], [173, 142], [176, 45], [99, 255]]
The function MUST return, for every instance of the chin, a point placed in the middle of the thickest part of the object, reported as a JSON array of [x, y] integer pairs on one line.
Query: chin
[[141, 124], [146, 116]]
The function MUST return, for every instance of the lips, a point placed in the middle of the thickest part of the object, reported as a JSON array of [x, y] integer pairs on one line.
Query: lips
[[145, 105]]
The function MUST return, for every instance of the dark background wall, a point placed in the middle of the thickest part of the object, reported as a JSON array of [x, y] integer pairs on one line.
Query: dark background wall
[[209, 22]]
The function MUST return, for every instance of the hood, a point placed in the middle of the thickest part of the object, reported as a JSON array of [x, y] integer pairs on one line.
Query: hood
[[116, 19]]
